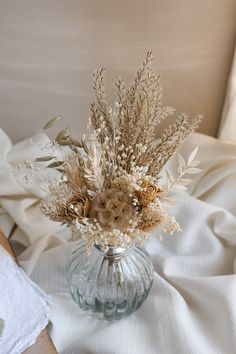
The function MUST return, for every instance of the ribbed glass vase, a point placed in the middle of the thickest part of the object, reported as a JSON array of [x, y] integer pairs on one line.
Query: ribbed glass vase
[[109, 285]]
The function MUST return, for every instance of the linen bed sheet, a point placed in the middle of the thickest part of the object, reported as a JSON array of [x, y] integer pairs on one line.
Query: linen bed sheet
[[192, 304]]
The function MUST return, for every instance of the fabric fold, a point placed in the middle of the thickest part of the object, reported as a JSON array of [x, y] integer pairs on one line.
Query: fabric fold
[[24, 307], [191, 306]]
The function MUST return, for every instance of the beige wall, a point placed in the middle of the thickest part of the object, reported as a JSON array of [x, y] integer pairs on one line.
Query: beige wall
[[48, 49]]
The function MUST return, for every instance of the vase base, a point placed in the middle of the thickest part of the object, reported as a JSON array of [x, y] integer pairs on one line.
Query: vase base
[[109, 310]]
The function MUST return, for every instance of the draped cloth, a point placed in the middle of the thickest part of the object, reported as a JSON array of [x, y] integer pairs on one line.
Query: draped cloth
[[227, 129], [191, 306], [23, 306]]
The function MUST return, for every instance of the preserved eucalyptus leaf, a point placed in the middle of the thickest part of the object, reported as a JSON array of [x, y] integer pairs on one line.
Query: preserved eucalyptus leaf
[[61, 135], [77, 143], [44, 158], [55, 164], [51, 122], [63, 142]]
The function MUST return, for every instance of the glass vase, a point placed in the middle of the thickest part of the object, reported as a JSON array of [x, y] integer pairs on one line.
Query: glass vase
[[109, 285]]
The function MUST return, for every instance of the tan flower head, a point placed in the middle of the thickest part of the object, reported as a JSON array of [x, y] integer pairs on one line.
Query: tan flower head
[[150, 219], [148, 193], [113, 209], [75, 178], [77, 207]]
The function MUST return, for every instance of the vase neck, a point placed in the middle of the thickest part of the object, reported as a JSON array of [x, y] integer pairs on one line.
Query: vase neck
[[112, 252]]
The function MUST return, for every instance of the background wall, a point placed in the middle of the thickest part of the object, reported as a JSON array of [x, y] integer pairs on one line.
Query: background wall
[[48, 49]]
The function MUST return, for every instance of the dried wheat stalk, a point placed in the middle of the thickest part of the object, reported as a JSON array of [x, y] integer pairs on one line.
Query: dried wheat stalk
[[139, 111]]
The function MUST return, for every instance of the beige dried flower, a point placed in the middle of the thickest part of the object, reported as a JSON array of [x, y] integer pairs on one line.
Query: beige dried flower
[[73, 173], [148, 193], [112, 208], [75, 178], [108, 193], [151, 218], [77, 207], [124, 184]]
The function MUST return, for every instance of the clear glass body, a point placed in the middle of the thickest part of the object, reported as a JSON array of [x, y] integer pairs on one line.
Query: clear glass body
[[109, 285]]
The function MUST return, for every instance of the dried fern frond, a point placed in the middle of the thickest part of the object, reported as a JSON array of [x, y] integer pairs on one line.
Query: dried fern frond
[[120, 90], [100, 107], [140, 108], [171, 139], [92, 168], [135, 102]]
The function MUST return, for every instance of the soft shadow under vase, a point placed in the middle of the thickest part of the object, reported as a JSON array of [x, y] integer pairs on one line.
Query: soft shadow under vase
[[109, 285]]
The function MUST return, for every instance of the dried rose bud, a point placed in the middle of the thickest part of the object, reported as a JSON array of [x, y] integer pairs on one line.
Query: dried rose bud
[[148, 193], [77, 207]]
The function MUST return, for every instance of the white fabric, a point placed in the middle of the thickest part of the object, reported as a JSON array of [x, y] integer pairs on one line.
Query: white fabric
[[1, 326], [23, 306], [191, 307], [227, 129]]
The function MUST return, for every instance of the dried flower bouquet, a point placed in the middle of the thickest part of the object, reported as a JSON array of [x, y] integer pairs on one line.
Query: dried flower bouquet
[[111, 190]]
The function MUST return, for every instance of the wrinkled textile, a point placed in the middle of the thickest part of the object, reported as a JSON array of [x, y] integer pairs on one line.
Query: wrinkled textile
[[228, 120], [191, 307], [23, 305], [1, 326]]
